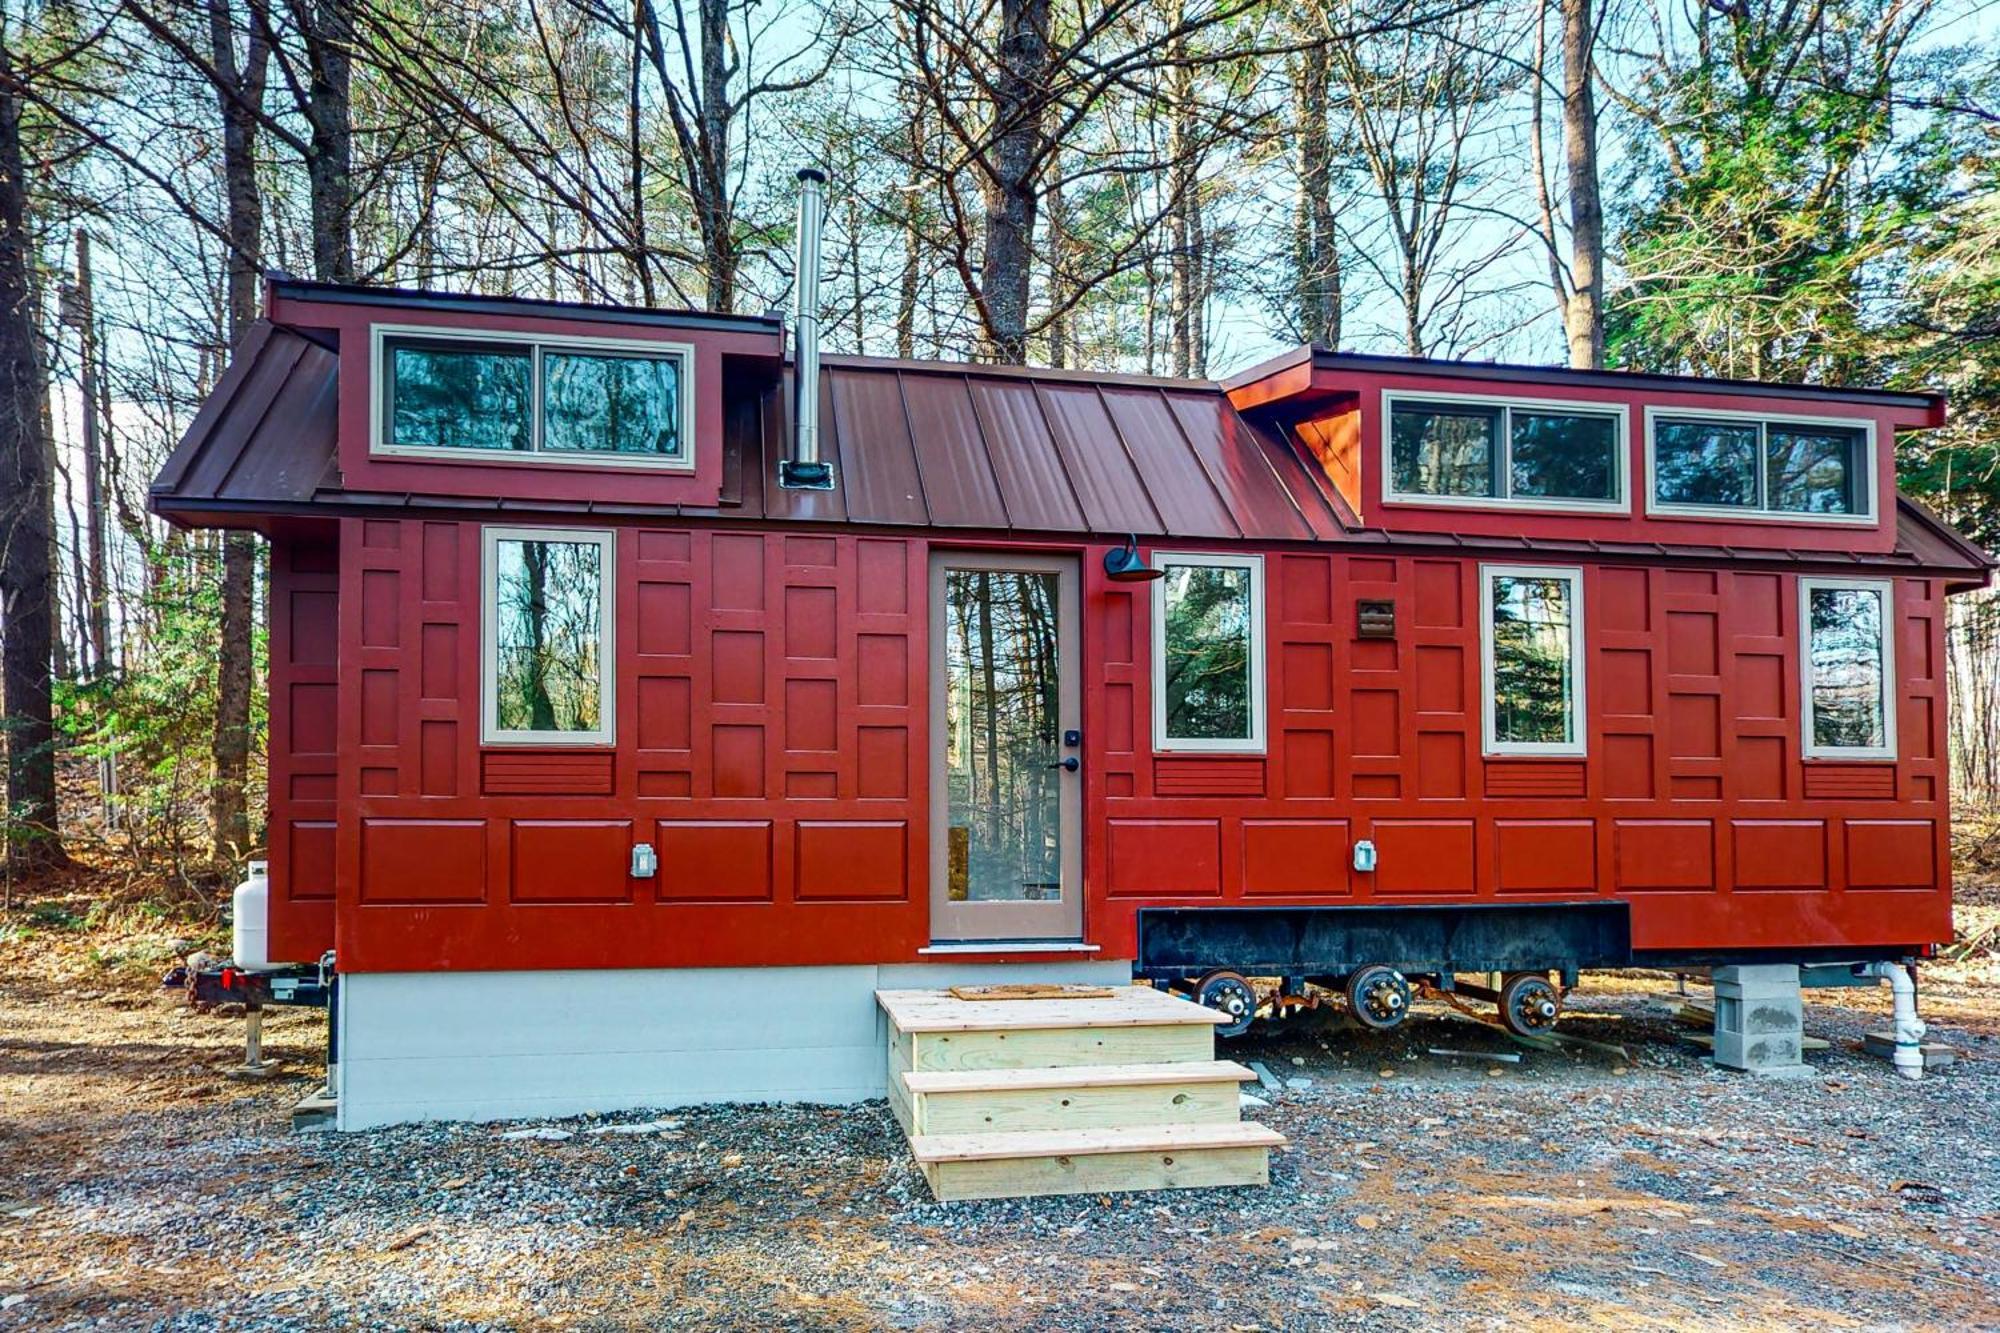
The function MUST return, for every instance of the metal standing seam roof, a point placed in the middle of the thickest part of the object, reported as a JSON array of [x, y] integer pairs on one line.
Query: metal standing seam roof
[[267, 431], [922, 445]]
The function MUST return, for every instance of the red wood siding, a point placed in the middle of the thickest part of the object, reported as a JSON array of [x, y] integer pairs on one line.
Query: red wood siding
[[305, 636], [771, 719], [1693, 801], [771, 732]]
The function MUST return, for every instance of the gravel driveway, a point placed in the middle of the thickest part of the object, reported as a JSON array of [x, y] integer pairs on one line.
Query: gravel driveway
[[140, 1190]]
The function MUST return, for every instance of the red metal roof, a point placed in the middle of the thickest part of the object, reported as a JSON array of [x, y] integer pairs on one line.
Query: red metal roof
[[920, 445]]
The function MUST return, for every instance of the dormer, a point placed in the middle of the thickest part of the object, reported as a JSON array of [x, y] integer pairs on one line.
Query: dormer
[[1486, 449], [459, 396]]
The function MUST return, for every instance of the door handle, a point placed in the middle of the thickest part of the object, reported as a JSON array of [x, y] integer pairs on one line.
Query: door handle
[[1069, 764]]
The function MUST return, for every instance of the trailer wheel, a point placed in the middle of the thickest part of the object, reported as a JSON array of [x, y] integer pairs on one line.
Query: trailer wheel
[[1230, 993], [1529, 1005], [1379, 996]]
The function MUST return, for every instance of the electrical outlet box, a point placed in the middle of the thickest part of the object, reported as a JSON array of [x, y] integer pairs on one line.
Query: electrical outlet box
[[1364, 856], [645, 861]]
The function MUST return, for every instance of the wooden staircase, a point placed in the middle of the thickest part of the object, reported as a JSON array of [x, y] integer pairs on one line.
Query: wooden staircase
[[1014, 1097]]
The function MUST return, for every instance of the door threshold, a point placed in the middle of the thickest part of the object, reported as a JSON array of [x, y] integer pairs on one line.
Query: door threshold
[[1012, 946]]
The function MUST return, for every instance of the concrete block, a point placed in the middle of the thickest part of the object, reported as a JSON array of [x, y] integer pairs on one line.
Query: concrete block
[[1759, 1019]]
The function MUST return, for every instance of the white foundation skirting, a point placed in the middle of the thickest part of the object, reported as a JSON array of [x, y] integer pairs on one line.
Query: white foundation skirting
[[518, 1045]]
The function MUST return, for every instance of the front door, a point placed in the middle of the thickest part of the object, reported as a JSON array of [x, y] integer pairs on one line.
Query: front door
[[1006, 752]]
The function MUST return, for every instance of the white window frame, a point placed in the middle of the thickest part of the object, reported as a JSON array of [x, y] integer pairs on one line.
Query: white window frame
[[1865, 517], [538, 344], [1489, 718], [1808, 747], [606, 541], [1621, 450], [1254, 743]]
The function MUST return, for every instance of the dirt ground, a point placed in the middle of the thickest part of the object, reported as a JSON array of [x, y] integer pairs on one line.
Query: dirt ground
[[139, 1188]]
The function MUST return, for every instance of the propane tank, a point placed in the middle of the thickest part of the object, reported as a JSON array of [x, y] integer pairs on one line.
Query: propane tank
[[250, 943]]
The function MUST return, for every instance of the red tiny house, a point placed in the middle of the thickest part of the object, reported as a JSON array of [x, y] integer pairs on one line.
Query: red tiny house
[[768, 716]]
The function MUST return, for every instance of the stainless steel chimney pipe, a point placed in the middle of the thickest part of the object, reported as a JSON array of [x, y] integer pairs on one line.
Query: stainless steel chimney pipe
[[805, 470]]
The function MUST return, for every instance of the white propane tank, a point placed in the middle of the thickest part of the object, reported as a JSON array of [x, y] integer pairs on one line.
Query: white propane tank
[[250, 943]]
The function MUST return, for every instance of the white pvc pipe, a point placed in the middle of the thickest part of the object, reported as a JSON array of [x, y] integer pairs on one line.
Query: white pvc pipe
[[1909, 1056]]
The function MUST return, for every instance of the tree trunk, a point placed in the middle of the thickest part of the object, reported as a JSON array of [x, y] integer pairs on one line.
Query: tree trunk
[[1019, 103], [907, 281], [1184, 264], [712, 204], [27, 523], [1315, 246], [1583, 319], [330, 167], [229, 818], [99, 609], [1058, 335]]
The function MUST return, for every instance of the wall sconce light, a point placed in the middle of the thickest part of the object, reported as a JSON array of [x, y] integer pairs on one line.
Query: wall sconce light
[[1125, 565]]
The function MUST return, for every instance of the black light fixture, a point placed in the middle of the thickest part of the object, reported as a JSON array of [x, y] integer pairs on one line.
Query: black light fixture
[[1126, 565]]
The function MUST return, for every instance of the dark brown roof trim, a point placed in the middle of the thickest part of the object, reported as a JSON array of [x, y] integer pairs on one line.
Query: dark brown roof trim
[[1515, 373], [413, 298]]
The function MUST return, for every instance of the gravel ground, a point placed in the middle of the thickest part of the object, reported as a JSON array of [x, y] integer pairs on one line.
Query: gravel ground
[[139, 1189]]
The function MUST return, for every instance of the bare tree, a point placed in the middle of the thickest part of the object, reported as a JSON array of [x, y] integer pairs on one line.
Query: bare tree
[[239, 90], [28, 596], [1578, 284], [1422, 104], [1315, 243]]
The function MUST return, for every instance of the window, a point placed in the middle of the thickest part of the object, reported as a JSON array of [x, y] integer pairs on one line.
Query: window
[[547, 663], [575, 401], [1848, 666], [1460, 451], [1208, 653], [1532, 655], [1776, 468]]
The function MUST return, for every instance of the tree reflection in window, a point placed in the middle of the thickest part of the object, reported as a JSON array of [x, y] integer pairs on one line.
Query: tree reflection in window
[[1847, 676], [1207, 652], [611, 404], [460, 397], [1003, 699], [1810, 469], [1705, 463], [1443, 450], [1533, 653], [548, 632]]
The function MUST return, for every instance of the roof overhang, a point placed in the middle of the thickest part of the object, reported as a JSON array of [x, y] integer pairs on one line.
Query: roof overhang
[[1308, 374]]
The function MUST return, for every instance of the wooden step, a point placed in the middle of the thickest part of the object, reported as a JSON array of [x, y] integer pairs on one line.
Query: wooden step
[[934, 1030], [1087, 1161], [1188, 1092], [1126, 1006]]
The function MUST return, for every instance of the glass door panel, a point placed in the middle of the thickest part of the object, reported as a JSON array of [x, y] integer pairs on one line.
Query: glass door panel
[[1005, 782]]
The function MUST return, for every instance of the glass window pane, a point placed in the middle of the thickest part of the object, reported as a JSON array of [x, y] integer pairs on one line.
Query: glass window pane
[[1847, 677], [1533, 622], [611, 404], [471, 397], [1003, 697], [1557, 456], [1705, 463], [1811, 469], [1207, 664], [1436, 450], [548, 626]]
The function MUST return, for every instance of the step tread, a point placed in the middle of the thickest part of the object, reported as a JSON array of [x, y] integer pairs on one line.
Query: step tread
[[1084, 1142], [1129, 1006], [1075, 1076]]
